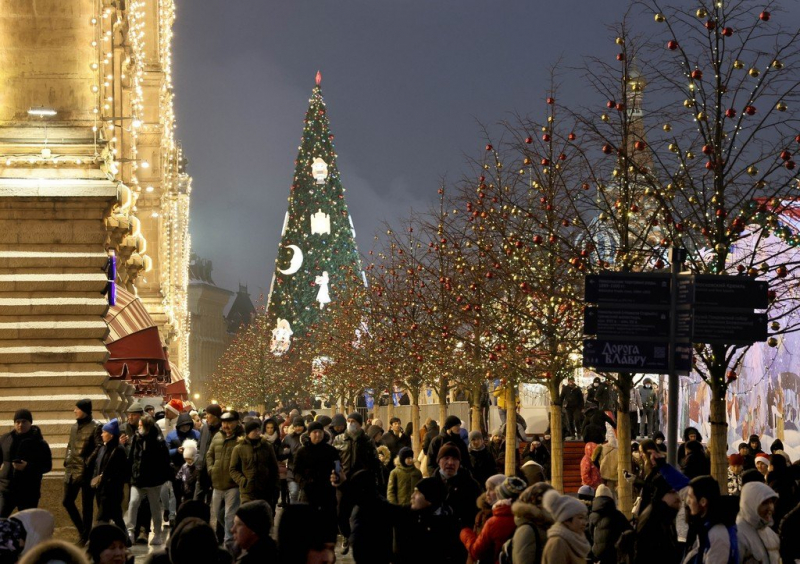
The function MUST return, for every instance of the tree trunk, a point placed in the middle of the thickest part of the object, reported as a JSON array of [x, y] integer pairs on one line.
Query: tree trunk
[[718, 443], [442, 393], [415, 442], [557, 446], [476, 424], [624, 488], [511, 429], [334, 402]]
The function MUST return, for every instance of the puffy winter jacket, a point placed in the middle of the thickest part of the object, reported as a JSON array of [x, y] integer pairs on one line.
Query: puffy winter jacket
[[498, 529], [31, 448], [149, 460], [757, 542], [401, 483], [606, 524], [84, 437], [175, 439], [254, 468], [218, 459], [531, 535], [590, 474]]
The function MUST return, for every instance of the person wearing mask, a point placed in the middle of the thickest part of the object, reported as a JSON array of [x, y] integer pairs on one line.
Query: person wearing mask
[[599, 394], [606, 525], [291, 444], [571, 401], [109, 469], [659, 438], [184, 430], [225, 498], [254, 466], [210, 428], [149, 470], [758, 543], [403, 478], [532, 521], [128, 429], [500, 527], [647, 396], [449, 435], [395, 439], [84, 438], [566, 538], [656, 540], [24, 458], [251, 532]]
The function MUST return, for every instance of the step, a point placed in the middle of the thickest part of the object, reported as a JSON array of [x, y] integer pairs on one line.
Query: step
[[51, 378], [74, 350], [60, 283], [57, 403], [54, 329], [54, 430], [43, 259], [54, 306]]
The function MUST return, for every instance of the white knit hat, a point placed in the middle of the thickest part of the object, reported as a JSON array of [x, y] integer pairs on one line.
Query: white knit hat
[[562, 507], [189, 448]]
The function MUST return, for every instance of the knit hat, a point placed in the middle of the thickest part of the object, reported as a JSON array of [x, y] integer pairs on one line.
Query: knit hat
[[763, 458], [112, 427], [433, 489], [316, 426], [135, 407], [494, 482], [214, 409], [511, 488], [736, 460], [586, 493], [451, 422], [373, 431], [562, 507], [298, 422], [231, 415], [475, 435], [356, 416], [189, 448], [251, 426], [603, 491], [338, 420], [405, 452], [323, 420], [23, 414], [85, 405], [257, 515], [448, 449]]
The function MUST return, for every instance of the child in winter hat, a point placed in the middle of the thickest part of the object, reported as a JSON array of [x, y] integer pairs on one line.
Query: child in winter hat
[[189, 473]]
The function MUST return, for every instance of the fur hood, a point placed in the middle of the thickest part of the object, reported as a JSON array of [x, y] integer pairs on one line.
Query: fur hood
[[530, 513]]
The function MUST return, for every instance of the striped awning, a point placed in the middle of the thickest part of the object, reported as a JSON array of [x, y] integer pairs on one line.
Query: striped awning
[[126, 317], [176, 375]]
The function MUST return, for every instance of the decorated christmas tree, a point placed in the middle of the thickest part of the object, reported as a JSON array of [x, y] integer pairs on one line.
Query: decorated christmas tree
[[317, 258]]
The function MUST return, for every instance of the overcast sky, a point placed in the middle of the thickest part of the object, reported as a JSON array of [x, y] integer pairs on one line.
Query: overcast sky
[[406, 83]]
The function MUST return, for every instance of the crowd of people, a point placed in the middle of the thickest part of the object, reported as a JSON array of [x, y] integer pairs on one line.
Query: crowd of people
[[283, 487]]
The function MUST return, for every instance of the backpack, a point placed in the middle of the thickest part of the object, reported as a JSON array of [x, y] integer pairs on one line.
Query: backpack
[[505, 556]]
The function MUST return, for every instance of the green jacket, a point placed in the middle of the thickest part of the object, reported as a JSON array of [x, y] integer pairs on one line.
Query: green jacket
[[218, 459], [254, 468], [401, 484]]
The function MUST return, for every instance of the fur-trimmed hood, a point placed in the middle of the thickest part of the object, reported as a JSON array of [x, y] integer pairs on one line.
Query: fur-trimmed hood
[[530, 513]]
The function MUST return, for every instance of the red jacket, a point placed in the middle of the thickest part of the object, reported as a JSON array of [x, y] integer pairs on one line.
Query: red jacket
[[498, 529], [590, 474]]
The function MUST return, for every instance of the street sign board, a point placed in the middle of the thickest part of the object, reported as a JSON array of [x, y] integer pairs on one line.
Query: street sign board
[[634, 288], [709, 290], [608, 323], [634, 356], [717, 327]]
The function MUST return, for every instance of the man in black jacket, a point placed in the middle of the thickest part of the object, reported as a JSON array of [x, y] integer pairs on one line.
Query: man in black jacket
[[462, 491], [109, 470], [572, 403], [395, 439], [313, 464], [127, 430], [84, 438], [211, 427], [449, 435], [25, 457]]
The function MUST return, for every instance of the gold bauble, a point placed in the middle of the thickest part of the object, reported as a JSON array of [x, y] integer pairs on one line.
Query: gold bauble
[[701, 116], [738, 65], [775, 326], [754, 72], [781, 106], [701, 13], [776, 64], [720, 248], [752, 170], [689, 155], [660, 18], [667, 127], [687, 103], [604, 117], [773, 342], [672, 147], [619, 41]]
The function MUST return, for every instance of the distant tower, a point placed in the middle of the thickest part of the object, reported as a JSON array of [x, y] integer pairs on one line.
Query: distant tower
[[242, 311]]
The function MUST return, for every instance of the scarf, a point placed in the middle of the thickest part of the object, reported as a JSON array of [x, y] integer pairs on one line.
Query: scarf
[[577, 542]]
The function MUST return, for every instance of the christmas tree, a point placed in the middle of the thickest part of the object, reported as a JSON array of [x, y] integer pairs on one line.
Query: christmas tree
[[317, 258]]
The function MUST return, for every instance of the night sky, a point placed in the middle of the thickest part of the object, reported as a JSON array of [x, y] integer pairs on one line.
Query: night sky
[[407, 84]]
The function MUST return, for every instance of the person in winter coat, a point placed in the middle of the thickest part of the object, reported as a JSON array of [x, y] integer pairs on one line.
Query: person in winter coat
[[590, 473], [128, 429], [210, 428], [535, 450], [499, 528], [647, 395], [695, 462], [449, 435], [188, 473], [371, 520], [481, 459], [313, 464], [225, 499], [290, 445], [24, 458], [384, 456], [594, 424], [571, 401], [84, 438], [754, 443], [149, 469], [787, 532], [656, 539], [566, 538], [395, 438], [758, 543], [109, 470], [251, 531], [689, 434], [486, 500], [606, 525], [735, 466], [273, 435], [426, 532], [600, 395], [532, 521], [254, 466], [192, 541], [533, 472], [184, 430], [606, 457], [497, 448], [403, 478], [301, 539]]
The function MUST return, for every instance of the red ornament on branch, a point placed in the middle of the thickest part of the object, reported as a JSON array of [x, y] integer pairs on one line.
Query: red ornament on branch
[[529, 140], [764, 16], [750, 110], [672, 45]]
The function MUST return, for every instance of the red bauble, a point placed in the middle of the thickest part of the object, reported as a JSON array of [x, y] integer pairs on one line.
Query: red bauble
[[708, 149], [608, 149], [659, 264], [750, 110], [621, 56], [727, 31], [697, 74], [572, 137], [672, 45], [611, 104], [546, 137], [786, 155], [529, 140], [620, 107], [797, 138], [789, 165], [764, 16], [537, 239], [545, 162], [710, 165], [562, 157], [489, 147], [781, 271], [551, 100], [585, 185], [640, 145], [730, 113], [711, 25]]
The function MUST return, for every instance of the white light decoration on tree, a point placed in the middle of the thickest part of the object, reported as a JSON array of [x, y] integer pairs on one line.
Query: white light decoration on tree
[[281, 337], [320, 223], [319, 170]]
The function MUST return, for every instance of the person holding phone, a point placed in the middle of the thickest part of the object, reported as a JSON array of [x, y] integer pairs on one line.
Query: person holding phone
[[24, 458], [314, 463]]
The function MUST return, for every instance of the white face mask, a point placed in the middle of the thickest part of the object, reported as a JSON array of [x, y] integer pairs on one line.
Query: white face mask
[[140, 431], [352, 428]]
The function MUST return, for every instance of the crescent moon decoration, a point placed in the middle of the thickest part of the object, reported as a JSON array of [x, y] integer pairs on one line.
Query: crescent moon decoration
[[296, 261]]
